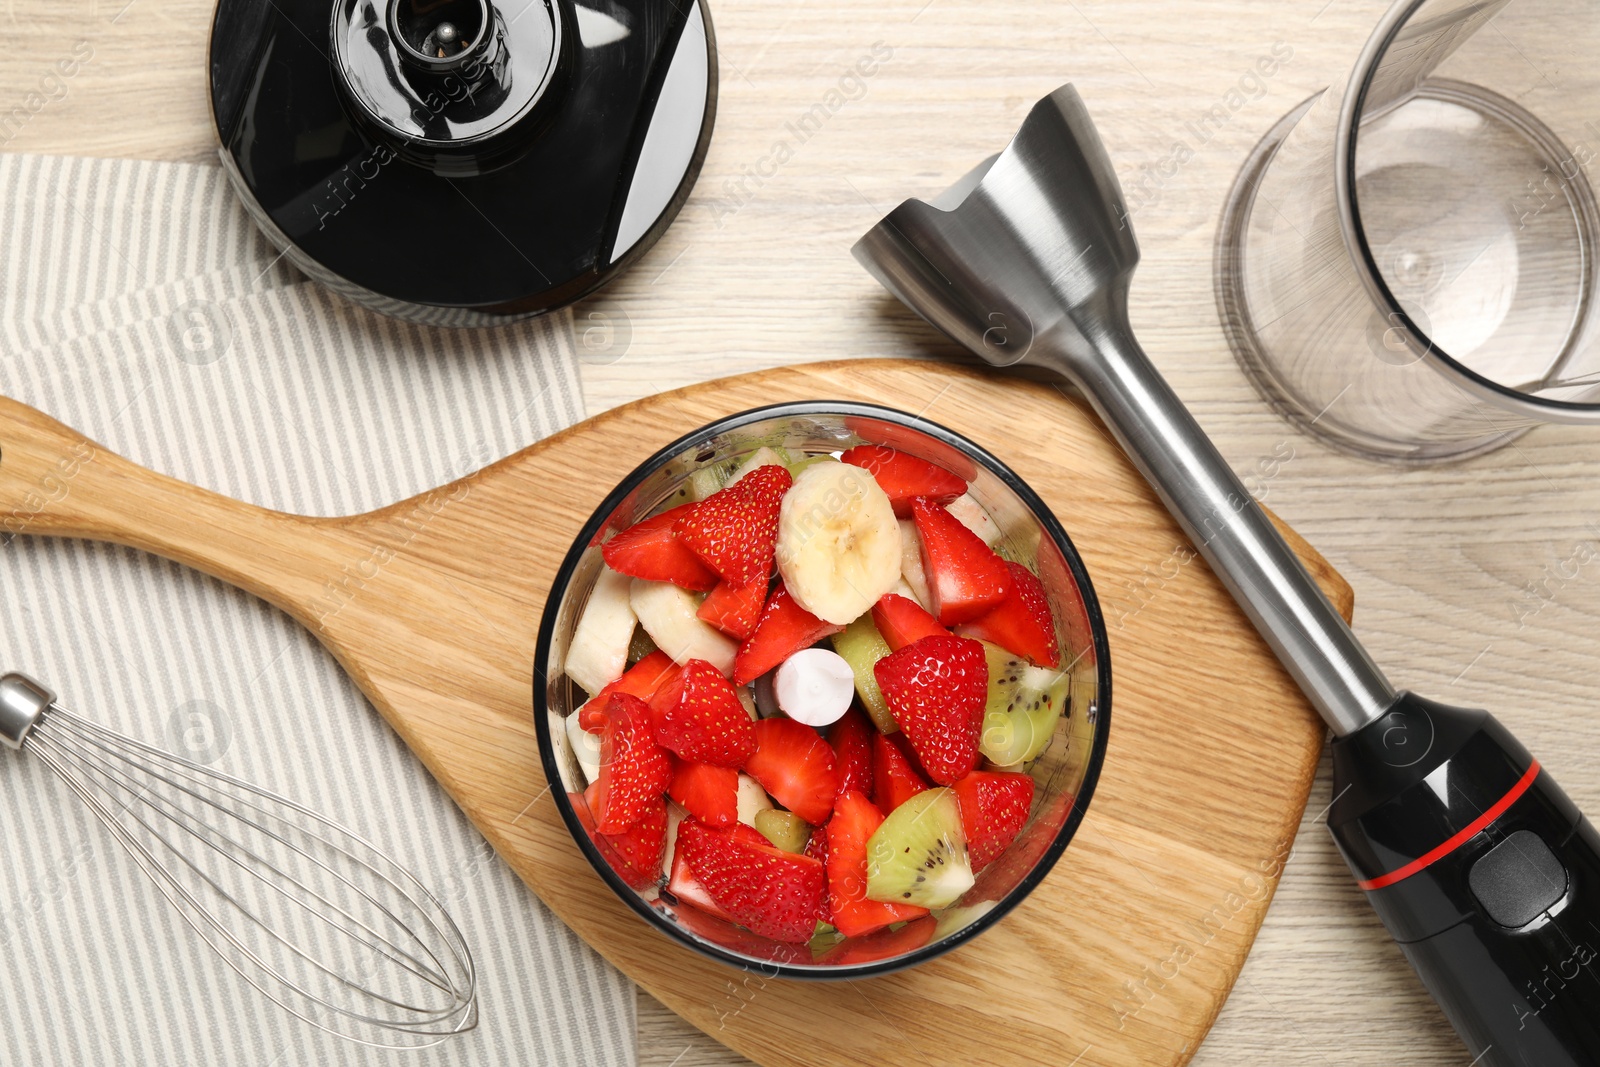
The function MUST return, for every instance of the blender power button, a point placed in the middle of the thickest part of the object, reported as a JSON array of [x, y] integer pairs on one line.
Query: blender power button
[[1518, 880]]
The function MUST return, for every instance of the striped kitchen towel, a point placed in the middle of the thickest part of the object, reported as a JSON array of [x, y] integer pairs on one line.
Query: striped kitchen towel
[[139, 306]]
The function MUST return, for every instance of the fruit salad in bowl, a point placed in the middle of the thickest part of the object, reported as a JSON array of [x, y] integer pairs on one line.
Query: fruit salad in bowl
[[822, 688]]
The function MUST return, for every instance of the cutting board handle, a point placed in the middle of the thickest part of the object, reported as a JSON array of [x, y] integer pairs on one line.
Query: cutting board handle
[[55, 481]]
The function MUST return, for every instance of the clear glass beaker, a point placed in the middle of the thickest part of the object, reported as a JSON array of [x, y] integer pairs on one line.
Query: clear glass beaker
[[1406, 265]]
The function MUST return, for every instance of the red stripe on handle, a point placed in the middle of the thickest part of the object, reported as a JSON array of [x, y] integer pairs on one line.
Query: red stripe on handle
[[1477, 827]]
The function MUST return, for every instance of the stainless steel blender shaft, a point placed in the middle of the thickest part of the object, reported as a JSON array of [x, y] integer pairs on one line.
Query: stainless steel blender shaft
[[1232, 532], [1028, 260]]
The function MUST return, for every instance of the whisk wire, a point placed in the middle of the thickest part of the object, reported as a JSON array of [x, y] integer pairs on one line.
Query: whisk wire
[[254, 919], [131, 787], [165, 879], [182, 818], [166, 876]]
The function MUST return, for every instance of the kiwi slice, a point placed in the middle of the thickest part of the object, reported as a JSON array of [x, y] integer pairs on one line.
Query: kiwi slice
[[701, 483], [919, 855], [1024, 703], [706, 481], [796, 465], [953, 919], [862, 646], [784, 829], [761, 457], [640, 646], [823, 941]]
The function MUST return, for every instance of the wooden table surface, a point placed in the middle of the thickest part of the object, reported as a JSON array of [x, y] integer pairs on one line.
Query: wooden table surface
[[1470, 581]]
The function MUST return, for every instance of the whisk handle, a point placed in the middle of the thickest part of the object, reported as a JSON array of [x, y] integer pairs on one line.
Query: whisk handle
[[55, 481], [22, 701]]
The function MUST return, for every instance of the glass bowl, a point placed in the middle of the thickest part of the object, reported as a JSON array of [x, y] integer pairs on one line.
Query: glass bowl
[[1064, 773]]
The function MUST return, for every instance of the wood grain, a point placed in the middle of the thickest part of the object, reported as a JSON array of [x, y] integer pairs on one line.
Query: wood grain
[[1463, 572], [1123, 956]]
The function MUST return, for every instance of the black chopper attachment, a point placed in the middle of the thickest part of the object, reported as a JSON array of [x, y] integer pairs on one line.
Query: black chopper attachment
[[463, 162]]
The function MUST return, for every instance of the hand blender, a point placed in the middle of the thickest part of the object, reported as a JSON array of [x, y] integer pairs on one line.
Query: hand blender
[[1479, 865]]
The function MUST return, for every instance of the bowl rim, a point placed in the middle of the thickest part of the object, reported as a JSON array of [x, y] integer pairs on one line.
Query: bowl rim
[[1051, 526]]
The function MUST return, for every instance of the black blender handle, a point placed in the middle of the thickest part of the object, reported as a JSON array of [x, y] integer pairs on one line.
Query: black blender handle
[[1485, 873]]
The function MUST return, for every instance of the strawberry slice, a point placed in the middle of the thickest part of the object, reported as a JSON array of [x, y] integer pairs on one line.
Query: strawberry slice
[[796, 767], [895, 779], [852, 914], [652, 550], [634, 770], [902, 744], [912, 440], [1022, 623], [582, 807], [774, 893], [904, 477], [735, 530], [936, 689], [667, 693], [735, 609], [851, 738], [710, 794], [737, 939], [645, 677], [706, 723], [592, 716], [785, 628], [902, 621], [635, 854], [883, 945], [994, 807], [965, 577], [1003, 874], [686, 887], [817, 846], [641, 680]]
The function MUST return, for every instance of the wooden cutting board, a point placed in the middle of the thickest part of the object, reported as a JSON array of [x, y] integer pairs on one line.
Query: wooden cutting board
[[1122, 956]]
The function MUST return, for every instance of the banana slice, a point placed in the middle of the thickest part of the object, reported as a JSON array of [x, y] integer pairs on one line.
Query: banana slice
[[675, 817], [970, 514], [585, 746], [667, 614], [749, 702], [838, 542], [599, 650], [753, 800], [911, 571]]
